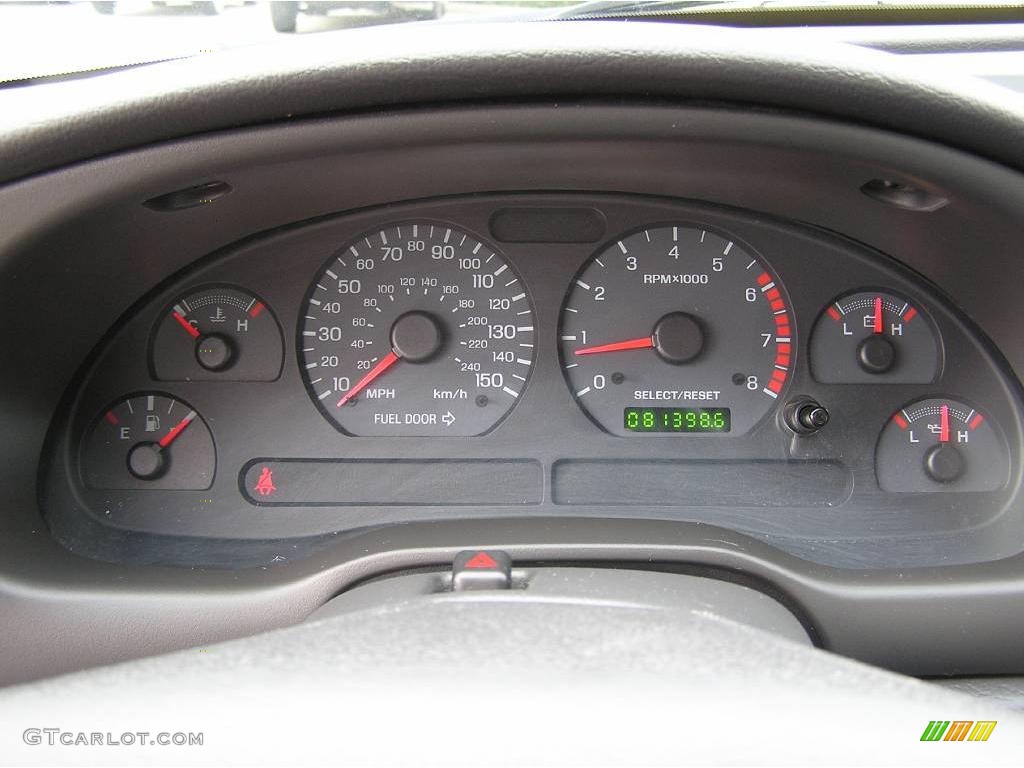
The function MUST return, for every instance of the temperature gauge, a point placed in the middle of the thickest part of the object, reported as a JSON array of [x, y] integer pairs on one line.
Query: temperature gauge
[[873, 337], [940, 445], [217, 333], [148, 441]]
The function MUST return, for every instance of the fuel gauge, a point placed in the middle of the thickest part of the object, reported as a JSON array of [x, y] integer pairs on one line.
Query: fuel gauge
[[217, 333], [149, 441], [873, 337], [940, 445]]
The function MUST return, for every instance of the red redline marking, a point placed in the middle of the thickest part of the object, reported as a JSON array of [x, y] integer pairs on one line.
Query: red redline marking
[[109, 416], [782, 319], [783, 348], [834, 314], [773, 294], [778, 304], [775, 386], [778, 375], [976, 421], [900, 421], [257, 308], [909, 315], [191, 329], [783, 330], [763, 279], [782, 360]]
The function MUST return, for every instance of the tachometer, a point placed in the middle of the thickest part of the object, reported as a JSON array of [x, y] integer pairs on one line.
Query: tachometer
[[417, 329], [676, 330]]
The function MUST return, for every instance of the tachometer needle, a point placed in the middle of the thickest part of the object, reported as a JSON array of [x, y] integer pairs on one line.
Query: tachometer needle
[[944, 424], [191, 329], [878, 314], [176, 430], [645, 343], [385, 362]]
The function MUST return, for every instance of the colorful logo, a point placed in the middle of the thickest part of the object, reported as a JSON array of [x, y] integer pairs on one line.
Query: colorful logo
[[958, 730]]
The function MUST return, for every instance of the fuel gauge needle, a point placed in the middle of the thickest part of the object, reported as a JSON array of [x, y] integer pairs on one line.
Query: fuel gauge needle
[[176, 430], [378, 370], [646, 342]]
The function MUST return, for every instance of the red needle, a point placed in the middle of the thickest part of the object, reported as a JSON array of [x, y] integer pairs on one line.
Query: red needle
[[176, 430], [878, 314], [944, 424], [385, 362], [192, 330], [645, 343]]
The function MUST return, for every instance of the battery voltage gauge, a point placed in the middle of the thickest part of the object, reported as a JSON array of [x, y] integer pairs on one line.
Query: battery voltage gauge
[[874, 337]]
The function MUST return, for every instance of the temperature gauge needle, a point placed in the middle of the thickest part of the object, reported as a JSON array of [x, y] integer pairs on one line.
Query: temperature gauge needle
[[944, 424], [878, 314], [176, 430], [645, 343], [385, 362], [191, 329]]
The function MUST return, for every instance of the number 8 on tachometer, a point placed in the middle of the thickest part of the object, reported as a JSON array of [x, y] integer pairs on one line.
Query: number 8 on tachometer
[[676, 330]]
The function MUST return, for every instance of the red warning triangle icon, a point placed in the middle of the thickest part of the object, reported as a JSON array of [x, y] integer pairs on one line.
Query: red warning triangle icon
[[481, 560]]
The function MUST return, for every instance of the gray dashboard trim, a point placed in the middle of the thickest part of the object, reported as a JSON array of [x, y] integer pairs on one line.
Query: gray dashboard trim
[[63, 612], [53, 124]]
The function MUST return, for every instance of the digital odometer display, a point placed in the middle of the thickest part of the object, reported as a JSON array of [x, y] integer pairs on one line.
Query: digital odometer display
[[676, 419]]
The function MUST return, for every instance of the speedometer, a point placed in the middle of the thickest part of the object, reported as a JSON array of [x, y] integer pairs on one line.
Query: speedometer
[[416, 329], [676, 330]]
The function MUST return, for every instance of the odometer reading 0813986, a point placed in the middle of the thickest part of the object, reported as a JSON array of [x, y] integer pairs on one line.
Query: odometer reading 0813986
[[676, 330], [417, 329]]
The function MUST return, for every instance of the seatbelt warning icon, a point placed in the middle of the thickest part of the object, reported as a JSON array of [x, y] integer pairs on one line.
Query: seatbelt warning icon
[[265, 484]]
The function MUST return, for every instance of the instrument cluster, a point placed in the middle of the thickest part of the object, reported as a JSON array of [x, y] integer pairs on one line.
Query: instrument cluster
[[545, 354]]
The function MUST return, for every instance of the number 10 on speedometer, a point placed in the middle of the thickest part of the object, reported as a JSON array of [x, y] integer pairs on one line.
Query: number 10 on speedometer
[[416, 329], [676, 330]]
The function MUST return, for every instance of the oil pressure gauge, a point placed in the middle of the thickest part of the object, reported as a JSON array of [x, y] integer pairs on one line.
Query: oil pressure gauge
[[940, 445], [217, 333], [874, 337]]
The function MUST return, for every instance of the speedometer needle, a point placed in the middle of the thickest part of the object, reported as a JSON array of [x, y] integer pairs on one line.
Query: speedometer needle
[[385, 362], [645, 343]]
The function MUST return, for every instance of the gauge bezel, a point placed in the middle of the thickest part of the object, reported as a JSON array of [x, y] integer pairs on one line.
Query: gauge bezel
[[993, 424], [92, 424], [794, 336], [161, 317], [923, 311], [382, 226]]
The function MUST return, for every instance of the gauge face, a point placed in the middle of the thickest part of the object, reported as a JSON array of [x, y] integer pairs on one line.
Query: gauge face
[[417, 329], [217, 333], [873, 337], [676, 330], [149, 441], [940, 445]]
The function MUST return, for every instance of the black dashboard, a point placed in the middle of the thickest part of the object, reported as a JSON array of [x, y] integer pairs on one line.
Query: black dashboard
[[538, 355], [802, 372]]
